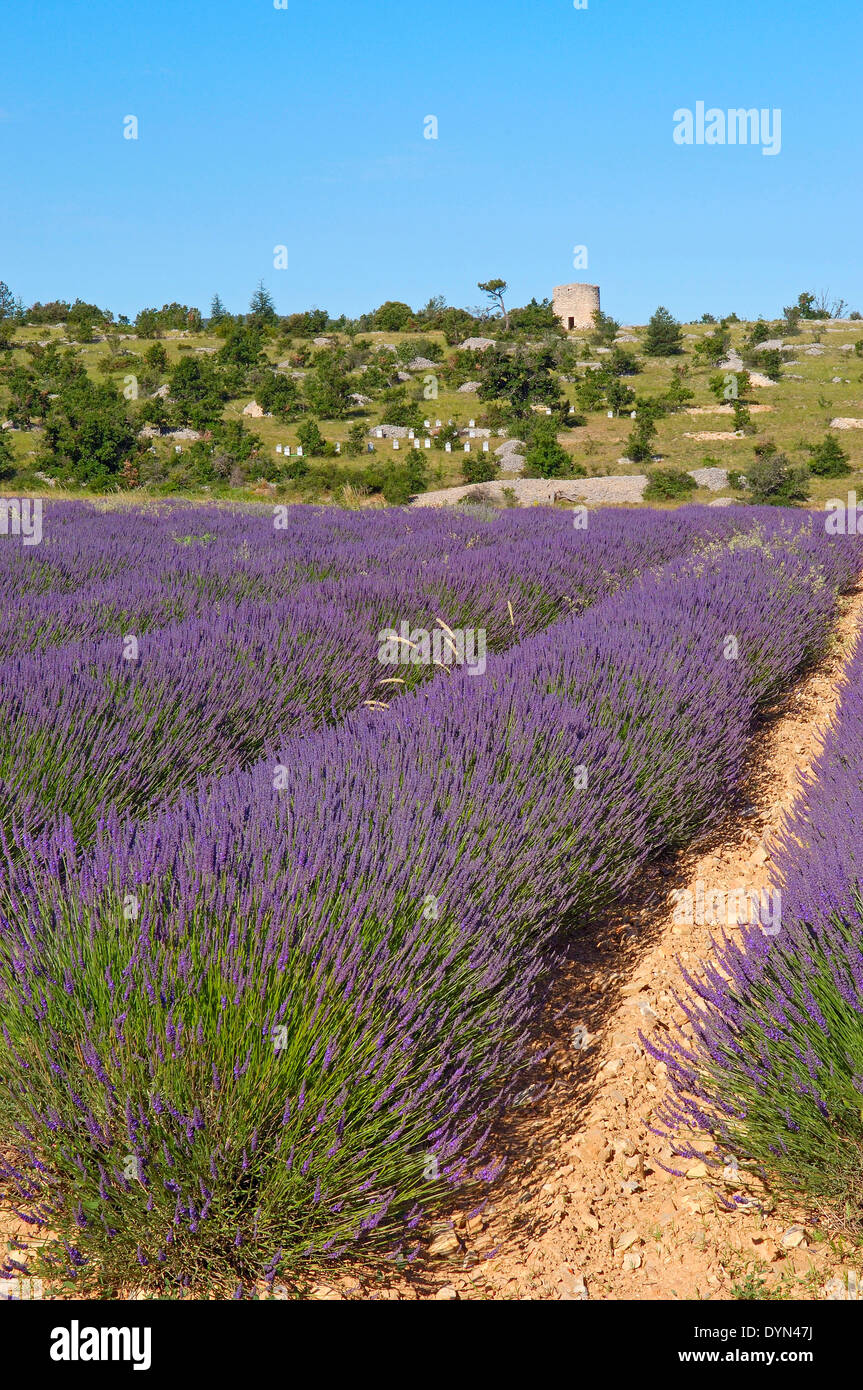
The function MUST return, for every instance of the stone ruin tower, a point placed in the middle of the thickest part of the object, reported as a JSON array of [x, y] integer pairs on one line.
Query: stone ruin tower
[[575, 305]]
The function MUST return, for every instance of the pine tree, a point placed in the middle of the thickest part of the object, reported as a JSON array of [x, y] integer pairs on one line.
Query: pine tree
[[261, 306], [664, 337], [829, 459], [217, 310]]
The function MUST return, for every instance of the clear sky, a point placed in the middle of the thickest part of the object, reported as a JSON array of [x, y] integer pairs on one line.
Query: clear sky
[[304, 127]]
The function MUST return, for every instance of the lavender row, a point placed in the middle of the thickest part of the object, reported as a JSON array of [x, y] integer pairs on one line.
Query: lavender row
[[128, 720], [277, 1020], [775, 1066], [98, 572]]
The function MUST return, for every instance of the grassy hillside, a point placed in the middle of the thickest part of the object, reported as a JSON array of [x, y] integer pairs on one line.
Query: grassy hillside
[[800, 405]]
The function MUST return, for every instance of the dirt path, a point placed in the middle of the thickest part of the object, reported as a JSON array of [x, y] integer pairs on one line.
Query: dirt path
[[586, 1208]]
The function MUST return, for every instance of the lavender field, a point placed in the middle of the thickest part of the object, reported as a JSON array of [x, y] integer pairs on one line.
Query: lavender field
[[297, 807]]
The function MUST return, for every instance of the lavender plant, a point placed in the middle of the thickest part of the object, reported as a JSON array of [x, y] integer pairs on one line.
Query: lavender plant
[[273, 1022], [774, 1068]]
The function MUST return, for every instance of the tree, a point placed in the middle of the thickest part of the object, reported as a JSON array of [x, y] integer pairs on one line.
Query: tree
[[7, 302], [713, 346], [604, 329], [310, 437], [730, 386], [197, 392], [242, 345], [536, 317], [767, 360], [663, 337], [7, 458], [521, 378], [619, 396], [356, 443], [217, 310], [829, 459], [546, 458], [623, 363], [758, 333], [88, 431], [639, 446], [328, 386], [278, 395], [156, 357], [805, 306], [307, 325], [393, 317], [456, 324], [496, 289], [742, 418], [262, 309], [591, 390]]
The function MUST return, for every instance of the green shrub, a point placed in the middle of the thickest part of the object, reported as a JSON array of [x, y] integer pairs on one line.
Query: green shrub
[[310, 437], [448, 435], [774, 481], [639, 445], [479, 468], [769, 362], [668, 485], [664, 337], [829, 459], [7, 458], [545, 457]]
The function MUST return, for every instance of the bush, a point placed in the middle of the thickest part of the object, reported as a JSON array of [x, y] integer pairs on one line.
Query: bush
[[356, 443], [309, 435], [713, 346], [278, 395], [447, 435], [639, 445], [7, 458], [664, 337], [397, 481], [769, 362], [742, 418], [668, 485], [88, 433], [758, 333], [829, 459], [393, 317], [619, 396], [479, 468], [156, 357], [546, 458], [623, 363], [604, 329], [774, 481]]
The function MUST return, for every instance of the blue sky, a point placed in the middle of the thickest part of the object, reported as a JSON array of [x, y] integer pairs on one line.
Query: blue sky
[[304, 127]]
